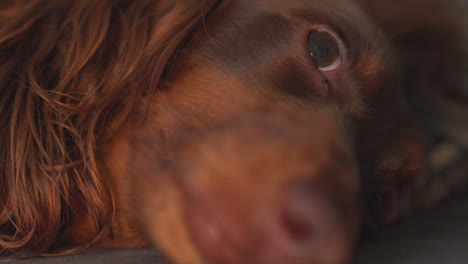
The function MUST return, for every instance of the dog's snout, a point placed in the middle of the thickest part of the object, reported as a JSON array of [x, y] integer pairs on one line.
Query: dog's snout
[[270, 190]]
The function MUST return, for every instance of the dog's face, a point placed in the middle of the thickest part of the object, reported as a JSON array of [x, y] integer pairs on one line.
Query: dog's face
[[268, 133]]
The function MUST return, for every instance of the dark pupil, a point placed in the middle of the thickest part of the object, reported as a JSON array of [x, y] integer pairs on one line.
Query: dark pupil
[[323, 48]]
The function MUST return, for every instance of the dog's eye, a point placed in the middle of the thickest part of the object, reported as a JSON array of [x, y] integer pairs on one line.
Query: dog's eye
[[325, 50]]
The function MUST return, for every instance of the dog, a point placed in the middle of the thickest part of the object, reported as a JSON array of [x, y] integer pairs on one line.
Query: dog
[[219, 131]]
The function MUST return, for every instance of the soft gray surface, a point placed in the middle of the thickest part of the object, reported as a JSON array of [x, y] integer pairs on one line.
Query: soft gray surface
[[438, 236], [434, 237]]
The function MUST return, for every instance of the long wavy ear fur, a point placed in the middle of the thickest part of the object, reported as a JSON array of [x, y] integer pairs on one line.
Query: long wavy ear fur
[[71, 72]]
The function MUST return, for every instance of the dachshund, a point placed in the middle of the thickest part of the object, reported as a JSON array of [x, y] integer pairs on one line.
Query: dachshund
[[218, 131]]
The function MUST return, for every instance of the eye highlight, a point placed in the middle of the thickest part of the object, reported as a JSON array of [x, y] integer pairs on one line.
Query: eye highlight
[[325, 49]]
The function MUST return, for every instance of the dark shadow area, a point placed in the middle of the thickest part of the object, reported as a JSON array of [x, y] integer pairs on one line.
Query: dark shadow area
[[439, 235]]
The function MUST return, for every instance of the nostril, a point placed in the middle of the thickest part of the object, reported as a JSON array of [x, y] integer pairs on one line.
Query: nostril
[[296, 227], [295, 219], [306, 212], [310, 223]]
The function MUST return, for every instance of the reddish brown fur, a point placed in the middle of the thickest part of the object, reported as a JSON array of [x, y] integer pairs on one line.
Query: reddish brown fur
[[130, 123]]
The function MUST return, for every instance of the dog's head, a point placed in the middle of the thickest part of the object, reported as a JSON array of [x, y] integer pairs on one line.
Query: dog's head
[[247, 131], [277, 121]]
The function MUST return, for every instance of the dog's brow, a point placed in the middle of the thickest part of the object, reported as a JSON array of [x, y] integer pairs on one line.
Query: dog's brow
[[248, 42]]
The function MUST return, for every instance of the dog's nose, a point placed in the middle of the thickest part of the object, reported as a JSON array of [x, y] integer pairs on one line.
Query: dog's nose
[[310, 228], [304, 227]]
